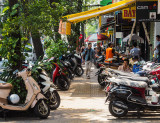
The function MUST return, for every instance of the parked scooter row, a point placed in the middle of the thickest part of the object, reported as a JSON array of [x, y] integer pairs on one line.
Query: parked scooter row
[[73, 63], [42, 94], [130, 92]]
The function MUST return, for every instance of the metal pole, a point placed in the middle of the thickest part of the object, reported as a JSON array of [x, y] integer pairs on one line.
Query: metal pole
[[147, 36], [127, 49], [133, 27], [115, 29]]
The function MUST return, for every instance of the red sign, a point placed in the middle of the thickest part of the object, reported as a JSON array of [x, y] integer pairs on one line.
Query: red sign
[[129, 13]]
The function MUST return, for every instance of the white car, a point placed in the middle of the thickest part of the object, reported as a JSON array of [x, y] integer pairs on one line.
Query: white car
[[31, 53]]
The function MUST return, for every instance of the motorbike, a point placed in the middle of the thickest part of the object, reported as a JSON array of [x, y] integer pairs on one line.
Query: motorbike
[[99, 62], [34, 100], [75, 62], [101, 76], [101, 72], [126, 95], [48, 89], [58, 77], [67, 67]]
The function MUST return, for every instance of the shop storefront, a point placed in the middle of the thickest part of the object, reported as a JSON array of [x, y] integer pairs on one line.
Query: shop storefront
[[129, 18]]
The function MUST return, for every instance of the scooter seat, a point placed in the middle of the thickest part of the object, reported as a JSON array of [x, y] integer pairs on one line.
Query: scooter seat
[[120, 73], [127, 82], [5, 86], [144, 79]]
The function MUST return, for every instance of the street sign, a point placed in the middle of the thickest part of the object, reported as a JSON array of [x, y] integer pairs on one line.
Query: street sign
[[147, 11], [64, 28]]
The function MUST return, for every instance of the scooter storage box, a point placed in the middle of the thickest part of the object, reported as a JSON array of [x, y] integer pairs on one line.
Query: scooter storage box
[[5, 89]]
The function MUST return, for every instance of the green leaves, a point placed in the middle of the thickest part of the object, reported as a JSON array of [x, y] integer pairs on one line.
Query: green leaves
[[15, 6], [5, 9], [56, 49], [13, 12]]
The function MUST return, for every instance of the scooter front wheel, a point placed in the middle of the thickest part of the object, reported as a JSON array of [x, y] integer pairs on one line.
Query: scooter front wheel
[[101, 80], [54, 100], [79, 71], [42, 109]]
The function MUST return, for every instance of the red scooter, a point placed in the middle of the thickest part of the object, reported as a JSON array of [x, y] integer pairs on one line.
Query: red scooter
[[58, 77]]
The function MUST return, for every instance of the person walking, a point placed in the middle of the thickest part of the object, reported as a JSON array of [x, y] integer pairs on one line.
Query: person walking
[[83, 56], [89, 58]]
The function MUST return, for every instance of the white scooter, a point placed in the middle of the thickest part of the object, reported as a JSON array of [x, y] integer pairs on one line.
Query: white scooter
[[48, 89]]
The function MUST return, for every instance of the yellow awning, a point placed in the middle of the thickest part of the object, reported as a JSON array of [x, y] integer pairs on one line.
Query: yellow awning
[[78, 17]]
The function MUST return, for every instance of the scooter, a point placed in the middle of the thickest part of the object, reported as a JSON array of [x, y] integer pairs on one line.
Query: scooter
[[34, 100], [101, 76], [127, 95], [75, 61], [68, 68], [100, 61], [58, 77], [48, 89]]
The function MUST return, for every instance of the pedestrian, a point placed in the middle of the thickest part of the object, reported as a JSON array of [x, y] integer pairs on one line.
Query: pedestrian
[[89, 58], [135, 51], [157, 48], [99, 47], [110, 52], [78, 51], [82, 55], [98, 53]]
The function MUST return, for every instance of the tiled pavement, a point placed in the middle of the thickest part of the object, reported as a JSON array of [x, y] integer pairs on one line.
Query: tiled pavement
[[84, 103]]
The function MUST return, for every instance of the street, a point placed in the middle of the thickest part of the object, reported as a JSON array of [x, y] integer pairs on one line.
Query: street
[[83, 103]]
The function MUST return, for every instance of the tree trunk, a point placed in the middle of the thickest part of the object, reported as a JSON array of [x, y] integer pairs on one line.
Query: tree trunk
[[37, 45], [15, 35], [35, 35], [56, 27]]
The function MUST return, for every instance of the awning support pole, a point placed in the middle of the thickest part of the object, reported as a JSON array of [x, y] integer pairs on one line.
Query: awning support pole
[[133, 27], [146, 33], [147, 36]]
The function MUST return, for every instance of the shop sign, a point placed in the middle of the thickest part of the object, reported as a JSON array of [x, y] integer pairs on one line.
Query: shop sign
[[129, 13], [64, 28], [147, 11]]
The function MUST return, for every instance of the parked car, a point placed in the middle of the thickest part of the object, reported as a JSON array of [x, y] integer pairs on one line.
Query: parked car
[[29, 49]]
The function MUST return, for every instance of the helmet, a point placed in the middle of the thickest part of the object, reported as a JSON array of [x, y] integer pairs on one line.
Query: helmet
[[14, 99]]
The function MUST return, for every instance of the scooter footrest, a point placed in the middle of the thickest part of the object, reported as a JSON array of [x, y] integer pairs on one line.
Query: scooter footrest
[[137, 99]]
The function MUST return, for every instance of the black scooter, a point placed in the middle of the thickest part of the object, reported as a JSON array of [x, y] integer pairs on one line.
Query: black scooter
[[127, 95]]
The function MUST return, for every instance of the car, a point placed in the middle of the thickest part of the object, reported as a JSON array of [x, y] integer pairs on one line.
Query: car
[[31, 55]]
